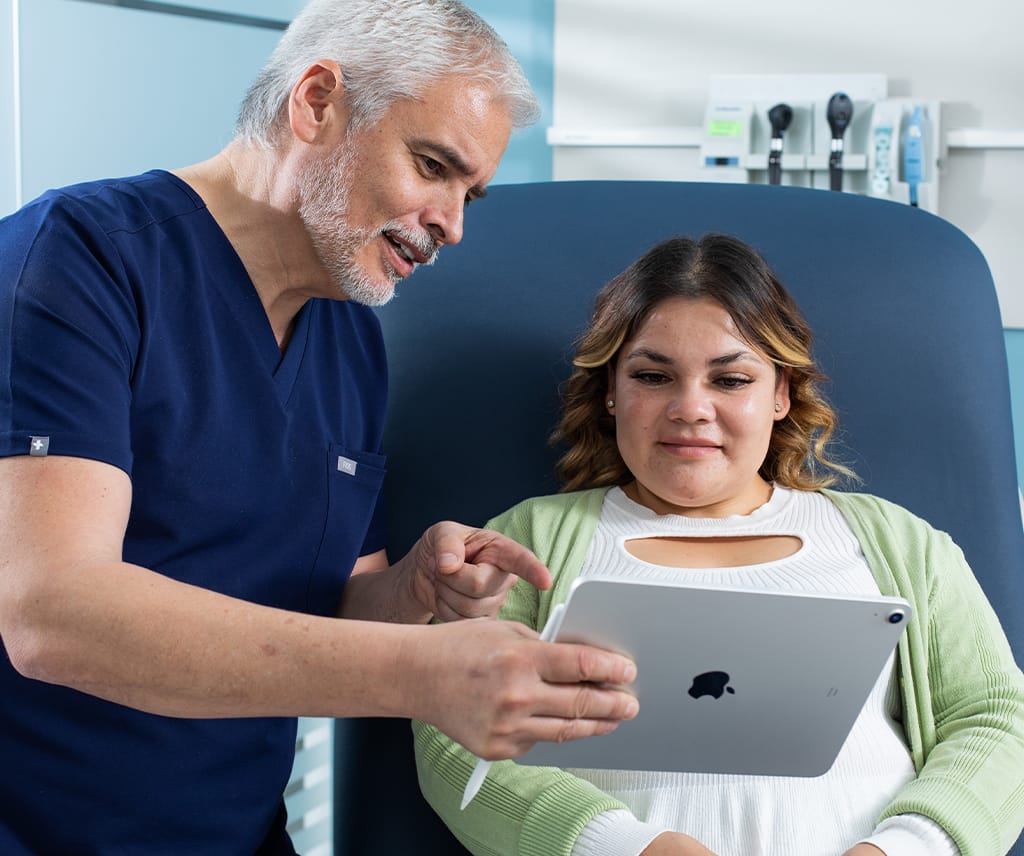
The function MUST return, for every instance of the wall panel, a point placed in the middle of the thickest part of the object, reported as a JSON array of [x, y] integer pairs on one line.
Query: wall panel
[[113, 91]]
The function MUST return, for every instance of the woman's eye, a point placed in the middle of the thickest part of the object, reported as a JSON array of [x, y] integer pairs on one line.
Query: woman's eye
[[732, 382], [649, 378]]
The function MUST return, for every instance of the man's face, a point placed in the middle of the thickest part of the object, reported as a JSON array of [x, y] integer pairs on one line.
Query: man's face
[[389, 196]]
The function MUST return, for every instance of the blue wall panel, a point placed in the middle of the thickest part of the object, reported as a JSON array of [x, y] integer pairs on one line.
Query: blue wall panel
[[9, 170], [281, 9], [528, 27], [113, 91]]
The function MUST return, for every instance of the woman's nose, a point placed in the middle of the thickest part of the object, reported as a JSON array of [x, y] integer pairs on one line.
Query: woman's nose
[[691, 404]]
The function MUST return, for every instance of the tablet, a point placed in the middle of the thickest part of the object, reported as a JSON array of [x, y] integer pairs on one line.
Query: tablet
[[730, 680]]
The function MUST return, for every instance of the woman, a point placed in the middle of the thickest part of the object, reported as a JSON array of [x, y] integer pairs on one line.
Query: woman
[[698, 451]]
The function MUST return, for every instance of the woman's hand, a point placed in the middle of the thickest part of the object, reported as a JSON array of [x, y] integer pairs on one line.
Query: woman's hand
[[676, 844], [864, 850]]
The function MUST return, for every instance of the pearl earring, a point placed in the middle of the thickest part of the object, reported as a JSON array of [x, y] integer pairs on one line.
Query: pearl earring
[[611, 403], [778, 407]]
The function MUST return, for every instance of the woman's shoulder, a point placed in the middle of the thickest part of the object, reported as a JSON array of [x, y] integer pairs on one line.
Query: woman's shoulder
[[874, 511], [555, 505]]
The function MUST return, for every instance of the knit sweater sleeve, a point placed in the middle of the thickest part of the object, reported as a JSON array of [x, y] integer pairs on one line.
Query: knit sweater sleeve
[[963, 693], [522, 810]]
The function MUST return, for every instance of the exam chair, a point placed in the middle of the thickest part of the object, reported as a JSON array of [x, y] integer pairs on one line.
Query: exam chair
[[907, 327]]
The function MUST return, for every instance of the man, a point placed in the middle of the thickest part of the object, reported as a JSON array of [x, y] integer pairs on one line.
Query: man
[[192, 396]]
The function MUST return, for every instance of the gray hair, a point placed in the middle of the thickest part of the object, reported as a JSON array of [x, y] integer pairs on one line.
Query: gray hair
[[387, 50]]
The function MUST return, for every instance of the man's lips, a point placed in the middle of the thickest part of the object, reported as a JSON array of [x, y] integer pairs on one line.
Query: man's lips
[[408, 250], [399, 257]]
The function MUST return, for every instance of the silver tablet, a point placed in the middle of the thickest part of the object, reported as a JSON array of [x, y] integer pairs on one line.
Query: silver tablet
[[729, 680]]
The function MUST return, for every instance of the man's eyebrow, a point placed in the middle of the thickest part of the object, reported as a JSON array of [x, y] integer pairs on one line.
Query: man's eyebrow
[[455, 160]]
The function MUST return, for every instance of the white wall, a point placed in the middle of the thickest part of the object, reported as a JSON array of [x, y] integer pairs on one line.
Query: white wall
[[647, 63]]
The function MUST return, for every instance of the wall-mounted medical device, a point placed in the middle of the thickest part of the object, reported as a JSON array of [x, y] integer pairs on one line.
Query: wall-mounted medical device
[[838, 114], [779, 117], [844, 132], [727, 137]]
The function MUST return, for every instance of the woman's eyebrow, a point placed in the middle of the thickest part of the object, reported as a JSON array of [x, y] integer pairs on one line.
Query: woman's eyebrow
[[727, 359], [658, 357], [648, 354]]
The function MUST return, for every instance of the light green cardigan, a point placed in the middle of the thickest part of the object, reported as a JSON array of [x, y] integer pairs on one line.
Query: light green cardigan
[[963, 694]]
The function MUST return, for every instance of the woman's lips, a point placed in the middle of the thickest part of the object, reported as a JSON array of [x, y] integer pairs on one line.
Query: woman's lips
[[690, 448]]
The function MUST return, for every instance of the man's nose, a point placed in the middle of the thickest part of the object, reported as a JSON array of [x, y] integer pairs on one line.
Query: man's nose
[[445, 218]]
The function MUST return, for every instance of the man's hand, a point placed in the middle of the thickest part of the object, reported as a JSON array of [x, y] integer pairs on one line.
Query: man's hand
[[455, 571], [864, 850], [496, 689]]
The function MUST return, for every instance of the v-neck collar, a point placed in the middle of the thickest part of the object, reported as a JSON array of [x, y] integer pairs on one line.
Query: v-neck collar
[[287, 370], [239, 291]]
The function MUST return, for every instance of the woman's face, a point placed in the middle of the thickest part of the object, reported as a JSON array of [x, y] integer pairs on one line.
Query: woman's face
[[694, 408]]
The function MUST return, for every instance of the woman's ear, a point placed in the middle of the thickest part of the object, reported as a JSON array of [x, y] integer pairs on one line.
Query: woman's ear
[[609, 396], [317, 103], [782, 400]]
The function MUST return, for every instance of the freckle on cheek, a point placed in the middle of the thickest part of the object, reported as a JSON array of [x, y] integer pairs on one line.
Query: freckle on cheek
[[268, 649]]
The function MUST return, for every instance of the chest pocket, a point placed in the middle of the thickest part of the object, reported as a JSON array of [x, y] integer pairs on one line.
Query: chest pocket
[[354, 480]]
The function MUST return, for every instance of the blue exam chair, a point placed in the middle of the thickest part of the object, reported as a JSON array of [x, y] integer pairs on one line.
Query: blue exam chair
[[907, 327]]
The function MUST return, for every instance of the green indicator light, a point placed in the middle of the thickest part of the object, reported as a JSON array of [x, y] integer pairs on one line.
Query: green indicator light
[[725, 128]]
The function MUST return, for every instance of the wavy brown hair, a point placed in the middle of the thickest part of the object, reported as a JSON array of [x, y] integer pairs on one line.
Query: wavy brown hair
[[734, 275]]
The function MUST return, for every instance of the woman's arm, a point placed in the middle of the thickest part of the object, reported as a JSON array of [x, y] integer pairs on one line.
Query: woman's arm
[[963, 699], [520, 809]]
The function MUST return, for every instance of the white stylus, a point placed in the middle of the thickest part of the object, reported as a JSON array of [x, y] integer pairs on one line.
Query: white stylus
[[482, 767]]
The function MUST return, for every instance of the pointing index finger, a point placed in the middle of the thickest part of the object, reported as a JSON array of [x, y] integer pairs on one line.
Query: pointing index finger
[[486, 545]]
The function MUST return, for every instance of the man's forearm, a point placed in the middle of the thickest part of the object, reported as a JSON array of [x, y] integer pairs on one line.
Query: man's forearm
[[132, 636], [376, 592]]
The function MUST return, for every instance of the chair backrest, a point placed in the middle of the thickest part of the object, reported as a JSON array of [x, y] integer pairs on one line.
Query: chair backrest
[[907, 327]]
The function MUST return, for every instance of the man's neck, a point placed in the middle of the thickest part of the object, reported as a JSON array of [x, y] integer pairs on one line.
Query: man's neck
[[251, 194]]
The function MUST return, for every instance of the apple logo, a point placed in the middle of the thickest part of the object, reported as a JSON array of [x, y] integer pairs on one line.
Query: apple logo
[[710, 683]]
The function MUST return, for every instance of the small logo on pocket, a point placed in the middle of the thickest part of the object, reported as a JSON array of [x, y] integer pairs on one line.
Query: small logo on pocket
[[346, 465], [39, 446]]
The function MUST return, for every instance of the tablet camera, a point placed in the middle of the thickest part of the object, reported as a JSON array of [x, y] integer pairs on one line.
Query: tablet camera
[[896, 616]]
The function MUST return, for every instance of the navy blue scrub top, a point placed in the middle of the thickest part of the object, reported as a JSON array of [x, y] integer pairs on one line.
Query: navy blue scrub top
[[130, 333]]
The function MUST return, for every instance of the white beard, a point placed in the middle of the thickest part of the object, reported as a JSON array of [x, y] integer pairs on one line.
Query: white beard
[[324, 192]]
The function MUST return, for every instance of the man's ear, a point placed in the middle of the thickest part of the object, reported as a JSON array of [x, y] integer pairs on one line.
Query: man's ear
[[317, 102]]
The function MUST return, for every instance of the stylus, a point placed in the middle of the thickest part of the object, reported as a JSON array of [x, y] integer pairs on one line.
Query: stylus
[[483, 767]]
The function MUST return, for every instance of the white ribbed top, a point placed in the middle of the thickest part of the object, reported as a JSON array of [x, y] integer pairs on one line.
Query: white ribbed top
[[762, 815]]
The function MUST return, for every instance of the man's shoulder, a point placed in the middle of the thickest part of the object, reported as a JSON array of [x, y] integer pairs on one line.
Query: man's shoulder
[[109, 205]]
